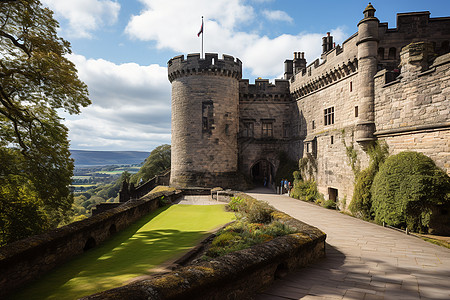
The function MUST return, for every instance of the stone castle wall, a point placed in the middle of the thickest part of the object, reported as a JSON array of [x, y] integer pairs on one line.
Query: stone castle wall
[[205, 100], [324, 142], [265, 122], [334, 64], [413, 27], [412, 113], [336, 101]]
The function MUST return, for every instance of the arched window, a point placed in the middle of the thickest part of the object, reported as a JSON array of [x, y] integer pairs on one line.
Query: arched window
[[392, 53]]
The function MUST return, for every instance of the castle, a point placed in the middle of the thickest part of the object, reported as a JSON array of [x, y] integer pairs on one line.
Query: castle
[[389, 84]]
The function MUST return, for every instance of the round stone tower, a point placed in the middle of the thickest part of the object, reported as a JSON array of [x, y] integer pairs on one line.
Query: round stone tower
[[205, 120], [367, 68]]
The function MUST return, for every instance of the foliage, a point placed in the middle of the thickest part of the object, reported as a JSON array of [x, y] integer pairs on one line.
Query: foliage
[[330, 204], [260, 212], [36, 79], [308, 167], [406, 188], [286, 168], [361, 205], [305, 190], [242, 235], [250, 209], [157, 162], [163, 201], [297, 175], [235, 203], [352, 155]]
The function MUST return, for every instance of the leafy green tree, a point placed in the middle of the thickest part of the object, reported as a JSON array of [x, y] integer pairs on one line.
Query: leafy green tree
[[36, 80], [157, 162]]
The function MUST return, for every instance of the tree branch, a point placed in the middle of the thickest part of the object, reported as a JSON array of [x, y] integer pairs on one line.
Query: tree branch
[[15, 42]]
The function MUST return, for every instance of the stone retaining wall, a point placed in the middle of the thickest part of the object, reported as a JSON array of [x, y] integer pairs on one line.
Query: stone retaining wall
[[30, 258], [238, 275]]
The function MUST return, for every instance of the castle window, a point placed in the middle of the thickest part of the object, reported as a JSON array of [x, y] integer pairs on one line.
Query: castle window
[[311, 147], [332, 140], [351, 86], [356, 111], [392, 53], [267, 129], [247, 130], [313, 125], [207, 116], [328, 116]]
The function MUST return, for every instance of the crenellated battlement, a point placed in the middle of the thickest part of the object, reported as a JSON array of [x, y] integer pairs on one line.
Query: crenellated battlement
[[307, 83], [211, 65], [263, 90], [335, 64]]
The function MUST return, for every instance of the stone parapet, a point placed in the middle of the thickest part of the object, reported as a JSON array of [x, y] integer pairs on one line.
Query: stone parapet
[[30, 258], [211, 64], [238, 275]]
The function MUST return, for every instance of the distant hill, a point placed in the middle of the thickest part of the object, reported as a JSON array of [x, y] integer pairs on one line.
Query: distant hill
[[102, 158]]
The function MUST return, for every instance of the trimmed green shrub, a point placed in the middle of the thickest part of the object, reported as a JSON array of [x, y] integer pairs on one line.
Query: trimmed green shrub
[[260, 212], [252, 210], [330, 204], [407, 188], [305, 190], [361, 205]]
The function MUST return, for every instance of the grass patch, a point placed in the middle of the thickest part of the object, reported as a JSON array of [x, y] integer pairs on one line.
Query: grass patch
[[156, 238], [436, 241]]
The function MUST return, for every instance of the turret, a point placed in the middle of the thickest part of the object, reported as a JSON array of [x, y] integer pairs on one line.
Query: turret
[[205, 114], [367, 67]]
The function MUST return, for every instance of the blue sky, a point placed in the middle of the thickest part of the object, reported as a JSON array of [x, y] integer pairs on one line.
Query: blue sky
[[121, 49]]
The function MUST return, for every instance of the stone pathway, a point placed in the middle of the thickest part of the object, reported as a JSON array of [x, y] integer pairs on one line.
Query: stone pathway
[[363, 260], [197, 200]]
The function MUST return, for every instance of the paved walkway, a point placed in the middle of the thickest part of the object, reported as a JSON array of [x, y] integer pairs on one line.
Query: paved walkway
[[364, 260]]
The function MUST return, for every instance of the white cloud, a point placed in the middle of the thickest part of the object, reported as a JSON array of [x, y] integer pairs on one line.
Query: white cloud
[[174, 25], [277, 15], [130, 106], [84, 16]]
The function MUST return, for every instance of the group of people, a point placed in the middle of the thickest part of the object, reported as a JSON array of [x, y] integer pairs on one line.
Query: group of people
[[285, 186]]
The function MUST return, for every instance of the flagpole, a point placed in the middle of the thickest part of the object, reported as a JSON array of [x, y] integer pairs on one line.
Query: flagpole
[[203, 30]]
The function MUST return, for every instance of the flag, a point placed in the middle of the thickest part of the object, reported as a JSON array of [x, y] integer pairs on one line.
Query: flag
[[201, 29]]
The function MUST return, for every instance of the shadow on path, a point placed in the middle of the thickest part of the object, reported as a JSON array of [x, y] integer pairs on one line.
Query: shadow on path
[[363, 260]]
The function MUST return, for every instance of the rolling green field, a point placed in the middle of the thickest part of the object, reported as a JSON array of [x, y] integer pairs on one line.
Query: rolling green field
[[162, 235]]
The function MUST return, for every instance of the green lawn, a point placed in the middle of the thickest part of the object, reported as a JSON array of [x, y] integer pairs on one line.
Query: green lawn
[[158, 237]]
